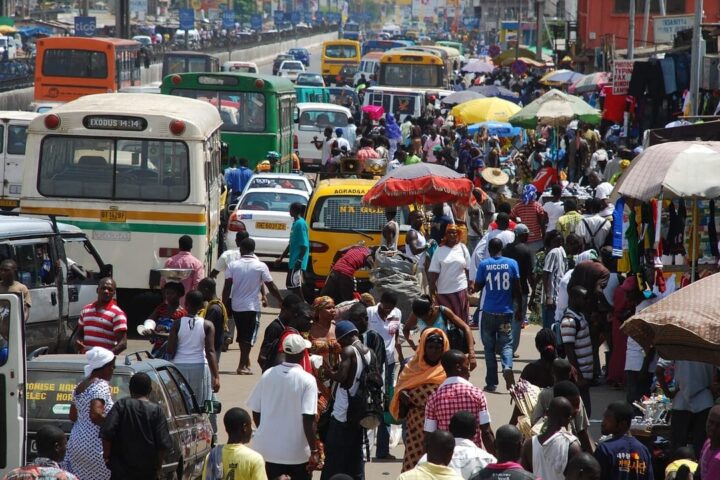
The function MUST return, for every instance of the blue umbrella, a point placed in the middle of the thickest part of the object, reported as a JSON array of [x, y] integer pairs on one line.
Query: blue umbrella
[[499, 129], [496, 91]]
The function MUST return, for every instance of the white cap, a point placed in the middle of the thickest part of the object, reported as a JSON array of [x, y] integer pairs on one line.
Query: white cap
[[97, 357], [294, 344]]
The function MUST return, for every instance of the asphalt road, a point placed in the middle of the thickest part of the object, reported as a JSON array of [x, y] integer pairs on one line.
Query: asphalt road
[[265, 65], [235, 389]]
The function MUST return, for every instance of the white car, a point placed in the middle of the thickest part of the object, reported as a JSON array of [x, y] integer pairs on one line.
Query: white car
[[265, 214], [290, 69], [242, 67], [285, 181]]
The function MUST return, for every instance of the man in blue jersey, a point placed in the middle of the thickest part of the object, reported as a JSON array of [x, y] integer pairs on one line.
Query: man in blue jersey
[[498, 278], [236, 178]]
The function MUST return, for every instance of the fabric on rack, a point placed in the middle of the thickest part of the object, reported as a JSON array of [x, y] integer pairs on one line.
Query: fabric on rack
[[712, 231], [668, 71], [632, 237], [640, 79], [682, 70], [656, 85], [675, 238], [617, 238]]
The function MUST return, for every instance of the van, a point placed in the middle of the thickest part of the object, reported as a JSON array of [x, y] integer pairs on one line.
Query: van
[[12, 384], [311, 119], [8, 48], [193, 38], [336, 219], [404, 101], [61, 268], [242, 67], [13, 136], [369, 66]]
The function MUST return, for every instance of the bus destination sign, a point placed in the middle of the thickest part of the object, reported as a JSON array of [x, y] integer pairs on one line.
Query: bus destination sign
[[114, 122]]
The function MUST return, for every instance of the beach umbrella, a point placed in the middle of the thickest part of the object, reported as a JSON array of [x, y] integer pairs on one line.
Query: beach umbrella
[[560, 77], [555, 108], [498, 129], [461, 97], [496, 91], [483, 110], [590, 83], [477, 66], [419, 183]]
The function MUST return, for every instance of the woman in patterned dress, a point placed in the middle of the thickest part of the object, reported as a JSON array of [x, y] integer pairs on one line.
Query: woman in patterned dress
[[90, 404], [417, 381]]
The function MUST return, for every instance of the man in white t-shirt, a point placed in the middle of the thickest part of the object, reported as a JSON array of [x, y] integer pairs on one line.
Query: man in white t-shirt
[[243, 282], [555, 207], [602, 193], [284, 404]]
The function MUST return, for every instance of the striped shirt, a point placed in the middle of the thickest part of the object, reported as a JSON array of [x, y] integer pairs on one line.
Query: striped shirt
[[101, 324], [531, 215], [580, 338], [352, 260]]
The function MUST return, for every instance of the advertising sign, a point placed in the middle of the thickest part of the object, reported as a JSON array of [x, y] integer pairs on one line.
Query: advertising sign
[[622, 71], [665, 28], [187, 18], [85, 26]]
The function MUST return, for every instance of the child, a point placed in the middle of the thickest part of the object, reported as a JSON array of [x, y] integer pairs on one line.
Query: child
[[235, 461], [622, 457]]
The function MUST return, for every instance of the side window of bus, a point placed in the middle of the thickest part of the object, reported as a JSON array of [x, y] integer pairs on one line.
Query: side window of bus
[[17, 136]]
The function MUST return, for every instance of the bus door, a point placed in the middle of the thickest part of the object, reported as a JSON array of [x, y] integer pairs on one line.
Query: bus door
[[12, 384], [13, 135]]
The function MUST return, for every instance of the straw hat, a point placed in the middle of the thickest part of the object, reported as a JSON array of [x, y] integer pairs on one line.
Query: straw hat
[[495, 176]]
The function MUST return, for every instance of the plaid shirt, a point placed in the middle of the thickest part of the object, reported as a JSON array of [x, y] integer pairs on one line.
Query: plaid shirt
[[454, 395], [40, 469]]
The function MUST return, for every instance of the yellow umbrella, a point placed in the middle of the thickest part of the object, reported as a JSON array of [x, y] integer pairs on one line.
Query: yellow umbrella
[[484, 110], [5, 29]]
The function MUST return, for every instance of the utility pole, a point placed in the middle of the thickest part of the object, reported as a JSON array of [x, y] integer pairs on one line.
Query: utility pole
[[631, 31], [540, 11], [696, 58], [646, 23]]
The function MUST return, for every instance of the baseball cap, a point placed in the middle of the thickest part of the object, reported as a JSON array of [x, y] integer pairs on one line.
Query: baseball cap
[[339, 131], [521, 228], [343, 328], [294, 344]]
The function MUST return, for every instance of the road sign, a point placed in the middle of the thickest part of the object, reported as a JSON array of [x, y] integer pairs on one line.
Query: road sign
[[319, 17], [279, 17], [228, 19], [187, 18], [308, 16], [256, 21], [295, 17], [85, 26]]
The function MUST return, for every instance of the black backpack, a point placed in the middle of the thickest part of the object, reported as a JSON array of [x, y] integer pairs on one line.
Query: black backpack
[[366, 408]]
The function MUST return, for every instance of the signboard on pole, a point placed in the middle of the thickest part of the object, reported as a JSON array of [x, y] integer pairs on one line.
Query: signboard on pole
[[187, 18], [622, 72], [256, 21], [665, 28], [228, 19], [85, 26]]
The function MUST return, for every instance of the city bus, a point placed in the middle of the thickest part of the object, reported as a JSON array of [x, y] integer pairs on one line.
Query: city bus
[[384, 45], [186, 62], [256, 111], [336, 54], [413, 69], [135, 172], [456, 45], [67, 68]]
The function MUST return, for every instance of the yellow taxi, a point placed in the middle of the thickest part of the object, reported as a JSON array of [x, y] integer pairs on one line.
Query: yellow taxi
[[337, 219]]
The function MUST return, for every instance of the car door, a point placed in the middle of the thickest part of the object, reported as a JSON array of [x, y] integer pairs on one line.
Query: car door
[[13, 162], [161, 396], [84, 270], [12, 384]]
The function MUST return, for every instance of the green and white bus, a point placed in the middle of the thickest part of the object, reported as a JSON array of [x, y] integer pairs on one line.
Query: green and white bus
[[256, 110]]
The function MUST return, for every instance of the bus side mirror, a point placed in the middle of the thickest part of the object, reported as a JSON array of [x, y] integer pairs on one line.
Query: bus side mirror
[[224, 153]]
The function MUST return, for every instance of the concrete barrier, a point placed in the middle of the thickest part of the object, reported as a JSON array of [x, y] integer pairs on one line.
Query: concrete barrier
[[20, 99]]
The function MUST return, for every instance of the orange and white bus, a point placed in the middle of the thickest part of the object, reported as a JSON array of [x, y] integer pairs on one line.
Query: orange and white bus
[[67, 68]]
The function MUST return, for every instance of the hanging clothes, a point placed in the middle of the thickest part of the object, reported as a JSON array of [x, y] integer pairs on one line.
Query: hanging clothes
[[617, 233], [712, 231], [632, 237], [675, 238]]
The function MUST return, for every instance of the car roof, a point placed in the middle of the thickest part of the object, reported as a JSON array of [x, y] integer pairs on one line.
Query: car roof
[[292, 191], [78, 362], [279, 175], [323, 106], [17, 225], [329, 186]]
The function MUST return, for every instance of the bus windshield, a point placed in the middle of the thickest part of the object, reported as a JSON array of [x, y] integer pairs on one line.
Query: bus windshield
[[240, 111], [114, 168], [409, 75], [340, 51], [346, 213], [74, 63], [178, 64]]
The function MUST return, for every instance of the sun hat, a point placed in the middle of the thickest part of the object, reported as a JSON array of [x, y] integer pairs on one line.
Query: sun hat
[[495, 176], [97, 357]]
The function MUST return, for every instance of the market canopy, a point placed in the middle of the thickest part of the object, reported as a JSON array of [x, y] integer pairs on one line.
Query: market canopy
[[560, 77], [461, 97], [499, 129], [682, 326], [520, 52], [484, 110], [689, 169], [555, 108], [496, 91]]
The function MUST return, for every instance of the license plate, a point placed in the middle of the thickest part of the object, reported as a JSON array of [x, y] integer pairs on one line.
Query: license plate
[[114, 216], [9, 203], [270, 226]]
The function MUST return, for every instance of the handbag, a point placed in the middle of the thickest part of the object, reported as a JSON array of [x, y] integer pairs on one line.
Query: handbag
[[456, 336]]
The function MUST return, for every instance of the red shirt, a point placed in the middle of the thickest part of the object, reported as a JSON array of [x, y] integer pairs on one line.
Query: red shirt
[[100, 325], [454, 395], [530, 214], [545, 177], [351, 261]]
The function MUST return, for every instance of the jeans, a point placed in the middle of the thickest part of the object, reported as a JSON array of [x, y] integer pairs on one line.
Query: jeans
[[274, 470], [496, 329], [548, 316], [382, 448], [517, 326], [344, 450]]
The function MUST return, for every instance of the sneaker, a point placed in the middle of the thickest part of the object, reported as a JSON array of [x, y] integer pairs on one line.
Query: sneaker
[[509, 377], [490, 388]]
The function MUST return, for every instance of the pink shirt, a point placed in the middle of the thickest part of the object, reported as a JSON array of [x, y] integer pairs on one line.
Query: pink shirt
[[710, 461], [186, 260], [428, 148]]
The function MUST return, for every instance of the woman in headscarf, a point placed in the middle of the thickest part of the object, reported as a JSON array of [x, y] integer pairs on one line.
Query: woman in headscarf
[[393, 133], [625, 299], [418, 380], [448, 273], [91, 402], [531, 213]]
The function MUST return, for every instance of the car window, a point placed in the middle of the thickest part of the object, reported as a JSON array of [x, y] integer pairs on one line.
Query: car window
[[323, 118], [49, 392], [33, 261], [176, 396], [346, 213], [157, 395], [187, 393], [270, 201], [82, 261]]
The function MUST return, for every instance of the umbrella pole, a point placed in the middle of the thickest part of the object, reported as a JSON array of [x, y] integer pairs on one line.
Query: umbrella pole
[[693, 245]]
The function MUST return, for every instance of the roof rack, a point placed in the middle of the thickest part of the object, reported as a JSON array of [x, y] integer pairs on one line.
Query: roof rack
[[138, 356]]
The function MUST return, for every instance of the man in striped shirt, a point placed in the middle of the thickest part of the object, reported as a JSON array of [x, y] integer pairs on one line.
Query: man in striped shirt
[[102, 323], [576, 340]]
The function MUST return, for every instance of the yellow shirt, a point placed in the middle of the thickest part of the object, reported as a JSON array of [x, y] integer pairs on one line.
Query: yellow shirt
[[567, 223], [430, 471], [240, 463]]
